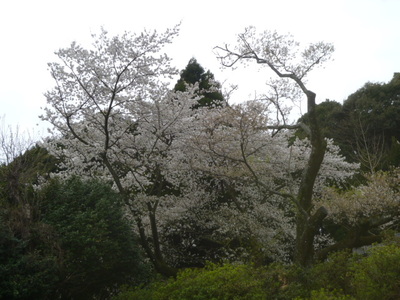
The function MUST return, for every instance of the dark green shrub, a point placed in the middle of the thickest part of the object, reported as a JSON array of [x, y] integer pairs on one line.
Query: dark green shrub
[[228, 281], [99, 251], [343, 276], [377, 276], [25, 273], [324, 294], [334, 273], [212, 282], [284, 282]]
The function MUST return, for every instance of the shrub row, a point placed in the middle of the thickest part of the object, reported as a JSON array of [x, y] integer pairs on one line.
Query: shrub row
[[342, 276]]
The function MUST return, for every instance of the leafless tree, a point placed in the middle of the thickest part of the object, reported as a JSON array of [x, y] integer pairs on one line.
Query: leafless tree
[[13, 142]]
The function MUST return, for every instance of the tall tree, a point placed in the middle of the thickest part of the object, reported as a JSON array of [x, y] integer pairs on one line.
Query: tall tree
[[115, 118], [259, 170], [208, 87], [372, 119], [366, 126], [282, 55]]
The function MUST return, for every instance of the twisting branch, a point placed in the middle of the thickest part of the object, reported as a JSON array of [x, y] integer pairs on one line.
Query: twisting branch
[[278, 53]]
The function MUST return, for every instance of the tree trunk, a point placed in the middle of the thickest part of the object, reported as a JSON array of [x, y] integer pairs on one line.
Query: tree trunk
[[155, 256], [153, 253], [159, 262], [307, 224]]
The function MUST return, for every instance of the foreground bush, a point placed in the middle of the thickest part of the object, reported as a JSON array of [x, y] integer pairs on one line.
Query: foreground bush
[[78, 246], [323, 294], [370, 277], [377, 276], [343, 276], [25, 273], [228, 281], [334, 273], [212, 282], [99, 250]]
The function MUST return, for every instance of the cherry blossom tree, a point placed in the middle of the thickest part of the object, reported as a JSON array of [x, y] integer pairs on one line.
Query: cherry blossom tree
[[114, 117], [364, 211], [262, 168], [291, 64]]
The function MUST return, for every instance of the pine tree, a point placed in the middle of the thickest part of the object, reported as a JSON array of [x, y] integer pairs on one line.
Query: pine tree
[[208, 87]]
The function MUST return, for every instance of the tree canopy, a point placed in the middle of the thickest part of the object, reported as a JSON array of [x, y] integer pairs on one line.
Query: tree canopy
[[208, 87], [366, 125], [68, 240], [373, 114]]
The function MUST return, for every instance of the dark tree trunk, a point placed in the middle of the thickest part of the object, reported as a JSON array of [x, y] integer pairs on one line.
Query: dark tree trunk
[[153, 252], [155, 256], [307, 224]]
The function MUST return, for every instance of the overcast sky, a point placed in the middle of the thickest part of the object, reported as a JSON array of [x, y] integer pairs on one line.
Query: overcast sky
[[365, 33]]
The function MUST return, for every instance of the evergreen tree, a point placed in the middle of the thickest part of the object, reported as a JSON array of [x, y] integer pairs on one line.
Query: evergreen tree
[[99, 250], [69, 240], [367, 126], [376, 109], [208, 87], [373, 117]]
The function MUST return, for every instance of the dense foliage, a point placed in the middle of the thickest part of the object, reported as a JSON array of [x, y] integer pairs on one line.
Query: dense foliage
[[366, 126], [74, 243], [28, 264], [98, 249], [227, 281], [344, 276]]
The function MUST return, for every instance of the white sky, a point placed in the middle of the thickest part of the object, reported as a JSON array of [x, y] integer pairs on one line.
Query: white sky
[[366, 35]]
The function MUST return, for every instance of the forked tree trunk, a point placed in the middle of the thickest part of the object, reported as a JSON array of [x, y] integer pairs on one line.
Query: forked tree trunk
[[307, 224], [153, 251], [155, 256]]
